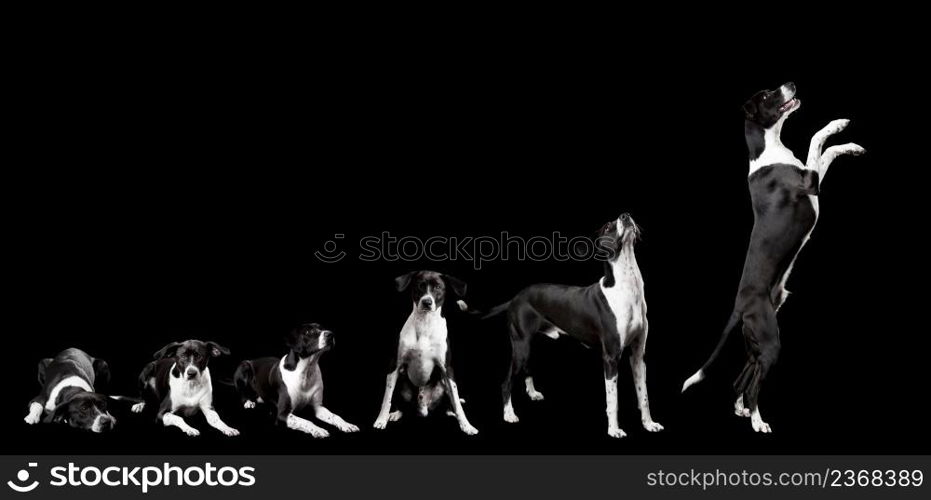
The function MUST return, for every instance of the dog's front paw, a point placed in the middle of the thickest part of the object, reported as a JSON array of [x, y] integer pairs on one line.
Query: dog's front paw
[[837, 126], [468, 429], [249, 405], [229, 431], [535, 395], [617, 433], [347, 427], [652, 426], [32, 419], [190, 431], [761, 426], [138, 407], [381, 423], [856, 150], [510, 417], [318, 432]]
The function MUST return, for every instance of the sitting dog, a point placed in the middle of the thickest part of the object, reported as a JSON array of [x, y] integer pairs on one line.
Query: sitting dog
[[292, 382], [423, 361], [68, 395], [178, 382], [611, 313], [784, 197]]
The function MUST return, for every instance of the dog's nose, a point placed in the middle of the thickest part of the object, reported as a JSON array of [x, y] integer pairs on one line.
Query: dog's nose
[[790, 86], [190, 372], [625, 217], [427, 302]]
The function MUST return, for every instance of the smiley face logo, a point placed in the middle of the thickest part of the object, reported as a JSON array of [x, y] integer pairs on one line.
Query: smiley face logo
[[22, 476]]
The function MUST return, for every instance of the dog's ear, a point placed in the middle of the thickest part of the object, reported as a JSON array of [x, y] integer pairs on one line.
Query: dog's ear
[[749, 109], [216, 349], [167, 351], [458, 286], [403, 281], [59, 414], [101, 375], [43, 365]]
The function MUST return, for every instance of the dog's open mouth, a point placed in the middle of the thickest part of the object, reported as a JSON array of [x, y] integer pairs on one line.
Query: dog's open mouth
[[788, 105]]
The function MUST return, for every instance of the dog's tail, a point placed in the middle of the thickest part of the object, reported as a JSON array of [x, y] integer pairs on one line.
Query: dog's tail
[[117, 397], [700, 374], [497, 310]]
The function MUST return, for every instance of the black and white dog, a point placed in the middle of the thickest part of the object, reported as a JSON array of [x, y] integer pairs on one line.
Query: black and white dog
[[68, 395], [784, 195], [292, 382], [424, 361], [178, 383], [611, 313]]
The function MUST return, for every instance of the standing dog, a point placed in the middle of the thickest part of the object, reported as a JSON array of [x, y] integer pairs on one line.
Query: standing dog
[[178, 381], [292, 382], [424, 360], [68, 395], [784, 195], [611, 313]]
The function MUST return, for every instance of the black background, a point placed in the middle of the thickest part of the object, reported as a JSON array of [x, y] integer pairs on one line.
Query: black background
[[174, 192]]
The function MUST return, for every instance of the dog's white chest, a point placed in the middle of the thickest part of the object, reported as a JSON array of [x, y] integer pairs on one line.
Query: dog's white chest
[[627, 303], [190, 393], [423, 345], [301, 383]]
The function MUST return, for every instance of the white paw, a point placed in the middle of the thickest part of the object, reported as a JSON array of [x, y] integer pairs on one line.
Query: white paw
[[837, 126], [742, 412], [249, 405], [138, 407], [761, 426], [318, 433], [31, 419], [616, 433], [395, 416], [652, 426], [229, 431], [855, 150], [468, 429], [347, 427], [511, 417], [381, 423], [535, 395], [190, 431]]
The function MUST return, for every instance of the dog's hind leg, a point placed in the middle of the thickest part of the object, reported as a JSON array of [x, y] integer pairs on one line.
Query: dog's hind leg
[[242, 380], [638, 368], [520, 353], [761, 329], [610, 370]]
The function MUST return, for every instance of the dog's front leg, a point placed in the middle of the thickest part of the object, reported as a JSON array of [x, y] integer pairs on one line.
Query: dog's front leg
[[390, 381], [304, 425], [834, 151], [328, 417], [453, 391], [817, 143], [610, 368], [638, 368], [36, 408], [213, 418], [170, 419]]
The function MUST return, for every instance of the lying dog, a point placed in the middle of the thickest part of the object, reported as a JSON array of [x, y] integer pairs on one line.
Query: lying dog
[[68, 395], [423, 360], [178, 382], [784, 196], [292, 382], [611, 313]]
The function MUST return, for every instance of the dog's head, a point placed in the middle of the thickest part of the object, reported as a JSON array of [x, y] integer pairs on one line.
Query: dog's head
[[309, 339], [617, 233], [429, 289], [190, 357], [768, 107], [84, 410]]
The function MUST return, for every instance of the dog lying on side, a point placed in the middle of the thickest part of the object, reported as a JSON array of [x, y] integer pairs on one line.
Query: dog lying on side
[[68, 395]]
